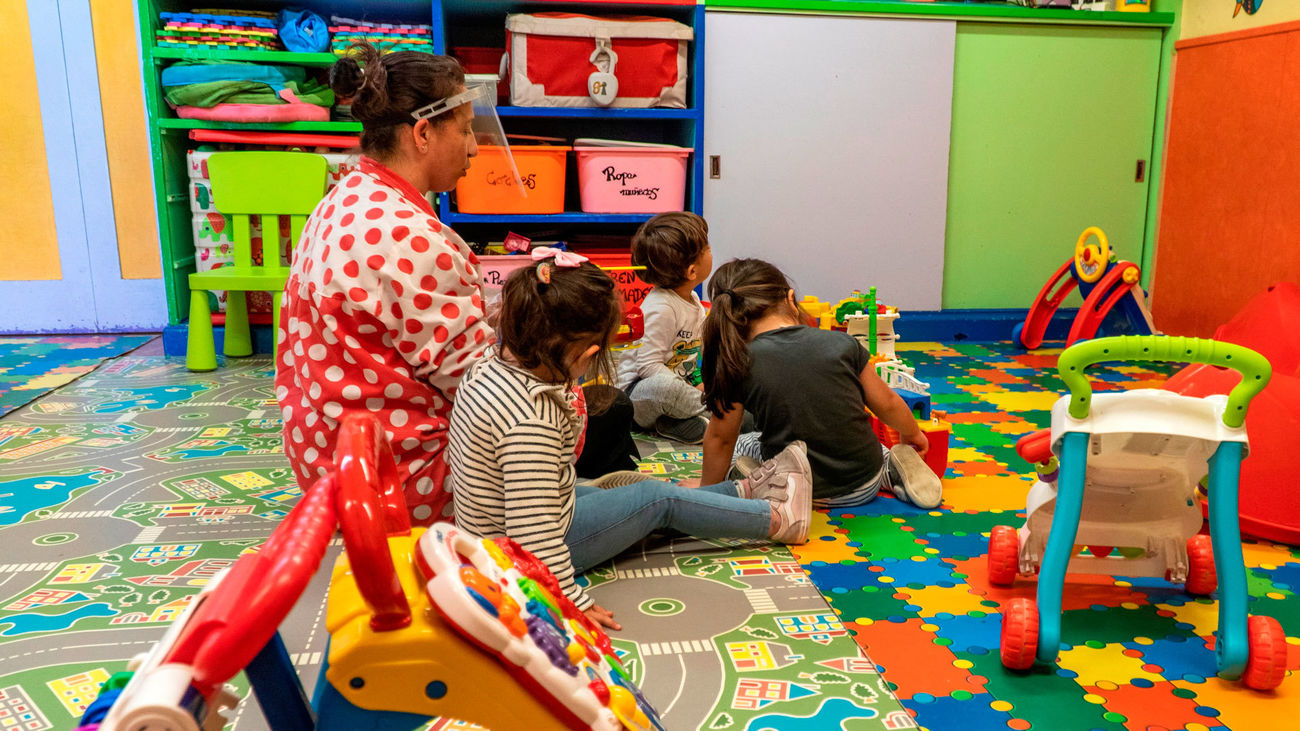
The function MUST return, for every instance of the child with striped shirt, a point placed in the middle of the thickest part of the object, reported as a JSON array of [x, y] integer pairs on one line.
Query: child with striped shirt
[[515, 426]]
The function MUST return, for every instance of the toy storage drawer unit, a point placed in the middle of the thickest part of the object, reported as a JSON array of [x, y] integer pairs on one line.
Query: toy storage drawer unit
[[489, 187], [571, 60], [643, 179]]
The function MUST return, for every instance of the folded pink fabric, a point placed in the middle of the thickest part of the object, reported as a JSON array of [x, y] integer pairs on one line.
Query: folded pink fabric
[[256, 113]]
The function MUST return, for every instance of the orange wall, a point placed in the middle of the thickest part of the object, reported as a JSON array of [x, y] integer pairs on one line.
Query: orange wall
[[1229, 222]]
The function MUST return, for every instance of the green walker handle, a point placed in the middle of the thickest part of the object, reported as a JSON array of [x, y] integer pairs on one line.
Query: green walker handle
[[1254, 368]]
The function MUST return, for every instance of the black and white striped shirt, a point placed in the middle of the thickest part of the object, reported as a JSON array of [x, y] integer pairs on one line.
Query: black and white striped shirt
[[510, 456]]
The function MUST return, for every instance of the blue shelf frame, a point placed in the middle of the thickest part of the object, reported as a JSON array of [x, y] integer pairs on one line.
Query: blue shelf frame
[[453, 217], [598, 113], [694, 115]]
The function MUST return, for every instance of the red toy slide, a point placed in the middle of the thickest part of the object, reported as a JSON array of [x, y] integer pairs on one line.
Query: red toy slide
[[1270, 325]]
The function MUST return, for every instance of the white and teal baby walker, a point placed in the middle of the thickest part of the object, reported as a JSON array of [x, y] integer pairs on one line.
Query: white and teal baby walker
[[1123, 501]]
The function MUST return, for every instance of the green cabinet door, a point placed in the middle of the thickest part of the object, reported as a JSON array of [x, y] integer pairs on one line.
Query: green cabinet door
[[1049, 124]]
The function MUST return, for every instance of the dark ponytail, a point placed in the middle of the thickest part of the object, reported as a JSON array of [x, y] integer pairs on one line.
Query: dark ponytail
[[545, 309], [386, 88], [741, 292]]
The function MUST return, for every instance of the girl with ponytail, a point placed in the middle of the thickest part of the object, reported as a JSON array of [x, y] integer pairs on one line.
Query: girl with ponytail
[[801, 384]]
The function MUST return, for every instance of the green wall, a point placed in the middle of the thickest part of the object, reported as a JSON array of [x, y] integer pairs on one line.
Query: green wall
[[1048, 124]]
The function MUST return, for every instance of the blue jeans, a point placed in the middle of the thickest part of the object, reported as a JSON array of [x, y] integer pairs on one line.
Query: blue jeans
[[606, 522]]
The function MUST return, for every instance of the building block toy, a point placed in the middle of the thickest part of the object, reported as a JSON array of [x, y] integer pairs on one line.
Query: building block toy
[[423, 623], [936, 431], [1113, 298], [1270, 325], [1124, 490]]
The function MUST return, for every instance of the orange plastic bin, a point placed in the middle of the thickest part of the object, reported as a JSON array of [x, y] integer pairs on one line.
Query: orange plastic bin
[[489, 187]]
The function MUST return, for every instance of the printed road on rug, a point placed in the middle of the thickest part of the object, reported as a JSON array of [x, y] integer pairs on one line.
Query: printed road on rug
[[124, 493]]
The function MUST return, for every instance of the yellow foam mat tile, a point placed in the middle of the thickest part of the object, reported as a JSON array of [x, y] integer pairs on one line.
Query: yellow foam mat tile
[[1104, 663], [985, 492], [1012, 401], [935, 599]]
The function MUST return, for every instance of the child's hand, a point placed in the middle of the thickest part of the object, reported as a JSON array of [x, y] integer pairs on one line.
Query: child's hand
[[918, 441], [602, 617]]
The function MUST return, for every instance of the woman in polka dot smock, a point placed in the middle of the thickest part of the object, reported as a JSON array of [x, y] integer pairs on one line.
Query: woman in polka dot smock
[[383, 311]]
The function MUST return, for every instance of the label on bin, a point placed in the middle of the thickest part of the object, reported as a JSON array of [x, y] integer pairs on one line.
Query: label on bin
[[613, 175]]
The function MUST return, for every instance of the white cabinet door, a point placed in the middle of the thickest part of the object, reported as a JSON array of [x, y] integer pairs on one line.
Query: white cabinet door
[[832, 141]]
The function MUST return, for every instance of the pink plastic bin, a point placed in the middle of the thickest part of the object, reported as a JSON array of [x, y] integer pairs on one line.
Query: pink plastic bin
[[496, 269], [632, 179]]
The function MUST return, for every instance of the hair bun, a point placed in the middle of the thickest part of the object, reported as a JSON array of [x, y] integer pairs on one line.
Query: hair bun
[[362, 73], [345, 77]]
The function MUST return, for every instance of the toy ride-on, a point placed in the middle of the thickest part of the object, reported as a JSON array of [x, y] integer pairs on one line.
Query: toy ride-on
[[1122, 501], [423, 624], [1113, 298]]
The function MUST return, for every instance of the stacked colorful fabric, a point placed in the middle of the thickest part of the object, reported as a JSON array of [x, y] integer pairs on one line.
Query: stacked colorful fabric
[[232, 91], [387, 37], [219, 30]]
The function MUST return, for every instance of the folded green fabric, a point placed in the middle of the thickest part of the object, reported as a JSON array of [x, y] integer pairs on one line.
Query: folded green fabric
[[212, 93]]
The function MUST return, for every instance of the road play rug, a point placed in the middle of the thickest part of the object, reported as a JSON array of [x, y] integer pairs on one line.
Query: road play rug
[[122, 494], [32, 366]]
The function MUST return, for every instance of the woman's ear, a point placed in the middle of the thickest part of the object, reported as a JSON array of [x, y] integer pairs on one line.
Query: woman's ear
[[422, 133]]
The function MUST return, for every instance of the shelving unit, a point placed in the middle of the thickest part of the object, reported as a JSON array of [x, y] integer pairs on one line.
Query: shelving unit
[[454, 23], [482, 23], [168, 136]]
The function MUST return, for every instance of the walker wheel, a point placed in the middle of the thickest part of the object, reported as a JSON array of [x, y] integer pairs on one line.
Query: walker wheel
[[1267, 664], [1019, 633], [1004, 555], [1201, 578]]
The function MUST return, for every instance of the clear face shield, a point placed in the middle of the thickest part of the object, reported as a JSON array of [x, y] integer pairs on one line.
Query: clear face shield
[[494, 160]]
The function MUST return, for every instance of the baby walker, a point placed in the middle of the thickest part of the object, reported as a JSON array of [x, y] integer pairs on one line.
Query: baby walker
[[1129, 466]]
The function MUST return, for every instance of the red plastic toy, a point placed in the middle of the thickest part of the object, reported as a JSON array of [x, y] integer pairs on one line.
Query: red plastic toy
[[1270, 325], [1113, 298]]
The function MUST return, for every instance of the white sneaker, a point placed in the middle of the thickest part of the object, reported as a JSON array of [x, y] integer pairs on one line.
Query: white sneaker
[[916, 483], [771, 474], [785, 481], [743, 468]]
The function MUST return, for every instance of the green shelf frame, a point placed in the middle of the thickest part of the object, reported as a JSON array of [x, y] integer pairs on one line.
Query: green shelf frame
[[215, 54], [993, 12]]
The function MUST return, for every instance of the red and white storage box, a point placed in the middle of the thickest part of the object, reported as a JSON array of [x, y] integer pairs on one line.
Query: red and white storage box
[[625, 177], [571, 60]]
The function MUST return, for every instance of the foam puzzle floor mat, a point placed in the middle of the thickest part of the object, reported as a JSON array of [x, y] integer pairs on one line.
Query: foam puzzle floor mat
[[124, 493], [32, 366], [1140, 650]]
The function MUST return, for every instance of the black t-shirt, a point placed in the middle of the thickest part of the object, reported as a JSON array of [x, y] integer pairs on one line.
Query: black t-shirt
[[804, 383]]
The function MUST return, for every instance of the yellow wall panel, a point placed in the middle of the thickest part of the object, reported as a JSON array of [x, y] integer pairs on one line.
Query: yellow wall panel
[[126, 134], [1210, 17], [29, 247]]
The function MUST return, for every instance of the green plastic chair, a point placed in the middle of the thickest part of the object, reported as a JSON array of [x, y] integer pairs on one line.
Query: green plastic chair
[[247, 184]]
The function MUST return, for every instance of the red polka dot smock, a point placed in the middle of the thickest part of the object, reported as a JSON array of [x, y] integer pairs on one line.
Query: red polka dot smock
[[383, 312]]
